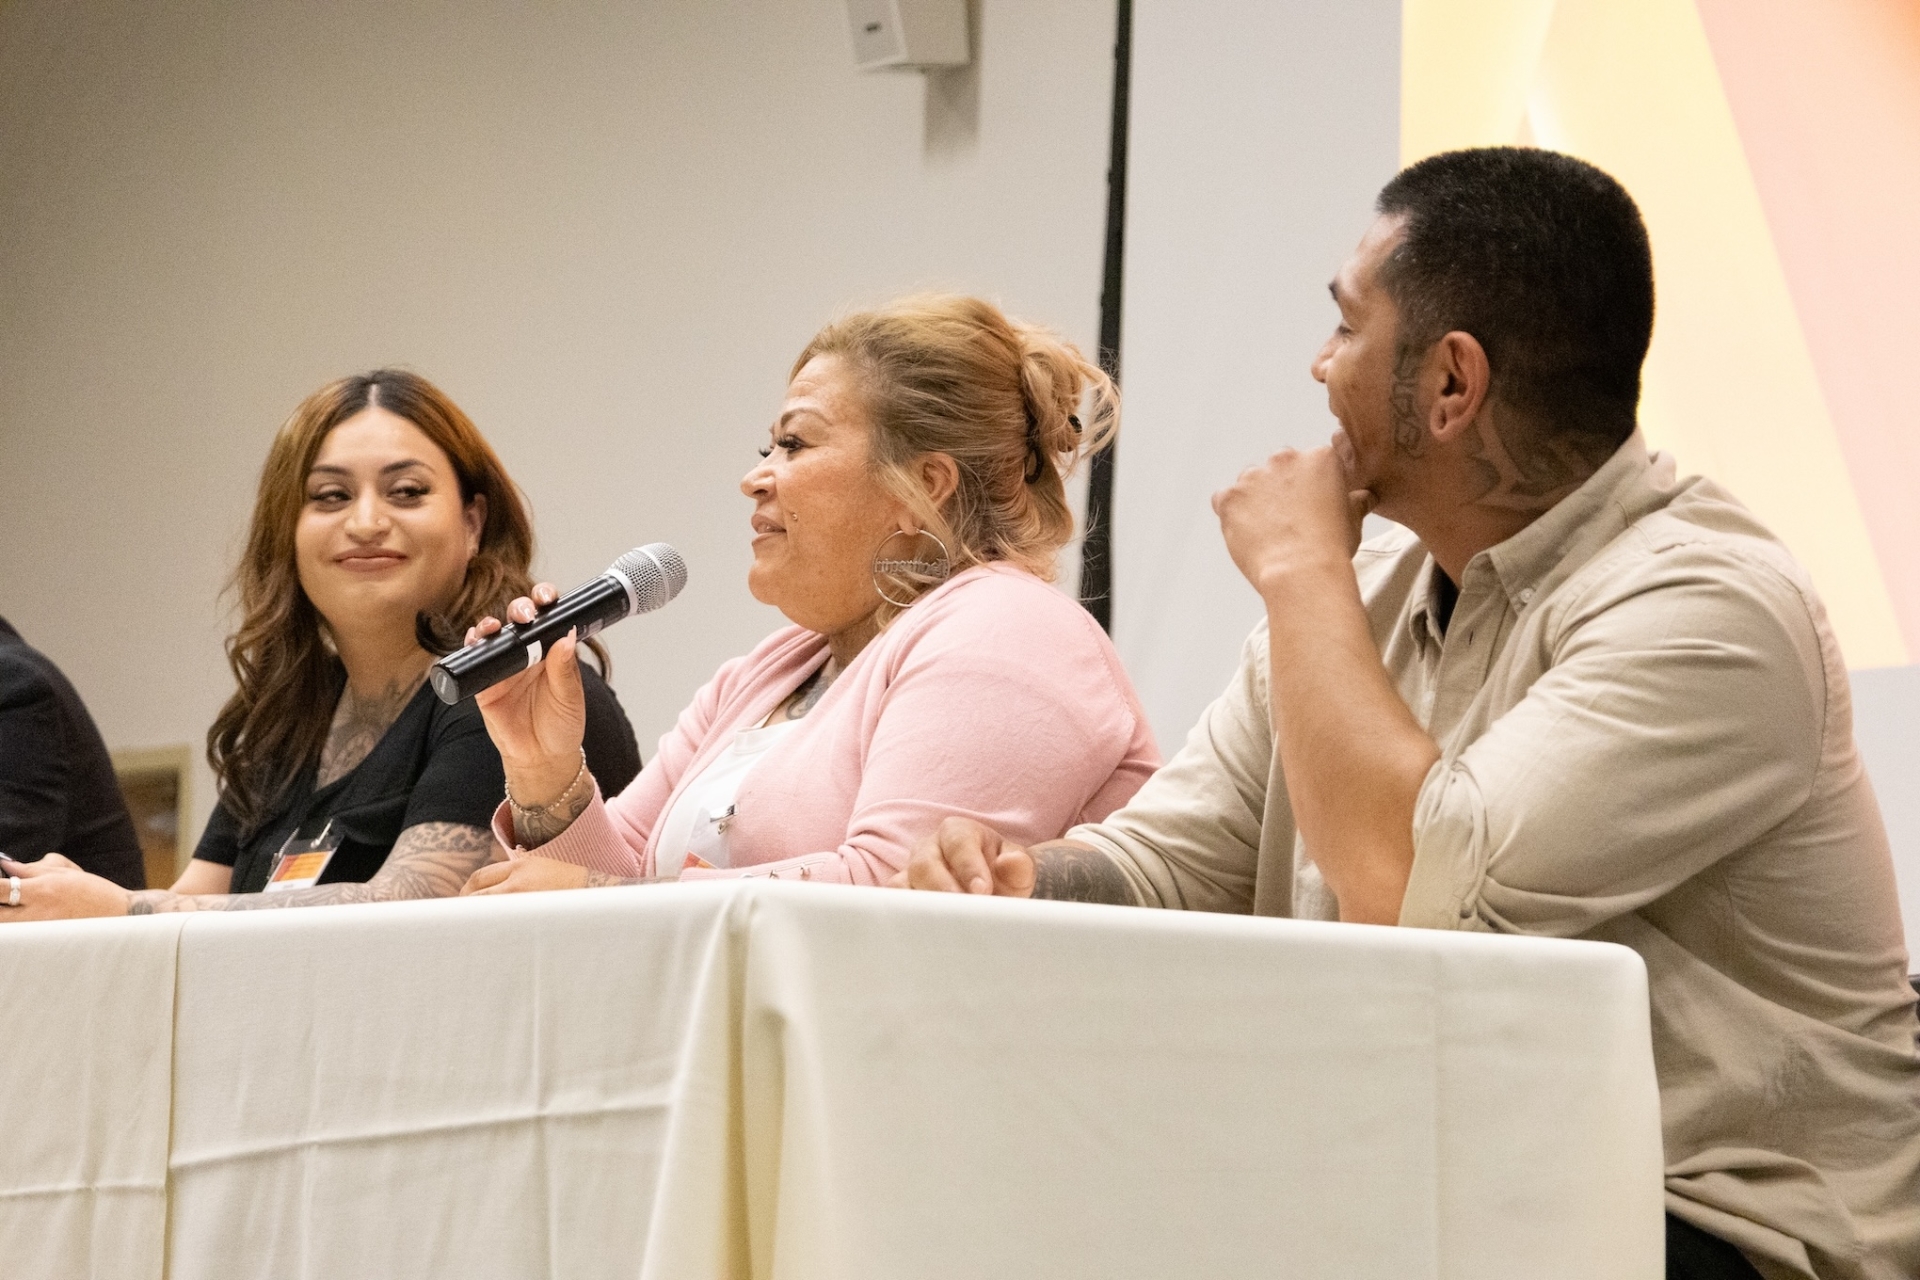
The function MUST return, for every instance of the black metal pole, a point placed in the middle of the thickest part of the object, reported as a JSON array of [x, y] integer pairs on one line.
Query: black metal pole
[[1096, 553]]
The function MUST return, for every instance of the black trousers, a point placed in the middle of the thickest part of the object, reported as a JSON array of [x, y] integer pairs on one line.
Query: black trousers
[[1692, 1254]]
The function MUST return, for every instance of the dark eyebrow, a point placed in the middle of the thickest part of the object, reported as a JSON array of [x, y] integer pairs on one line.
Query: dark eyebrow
[[326, 469], [1333, 287]]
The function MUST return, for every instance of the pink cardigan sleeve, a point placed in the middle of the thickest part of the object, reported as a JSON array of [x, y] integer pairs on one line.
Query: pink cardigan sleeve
[[1006, 705], [611, 835]]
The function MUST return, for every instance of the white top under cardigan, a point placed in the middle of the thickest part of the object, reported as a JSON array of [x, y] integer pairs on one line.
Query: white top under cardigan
[[697, 823]]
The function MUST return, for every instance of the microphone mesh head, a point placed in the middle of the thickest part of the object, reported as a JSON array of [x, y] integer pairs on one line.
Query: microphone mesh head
[[653, 573]]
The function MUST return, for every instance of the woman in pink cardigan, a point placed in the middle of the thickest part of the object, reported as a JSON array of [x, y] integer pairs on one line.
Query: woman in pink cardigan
[[906, 517]]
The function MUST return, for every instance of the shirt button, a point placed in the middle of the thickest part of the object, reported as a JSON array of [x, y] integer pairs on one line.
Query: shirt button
[[1526, 594]]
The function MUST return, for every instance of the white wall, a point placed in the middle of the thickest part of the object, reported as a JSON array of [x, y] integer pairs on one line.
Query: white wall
[[604, 227], [1260, 134], [1886, 723]]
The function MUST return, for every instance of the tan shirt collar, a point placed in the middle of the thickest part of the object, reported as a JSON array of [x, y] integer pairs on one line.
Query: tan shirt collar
[[1551, 549]]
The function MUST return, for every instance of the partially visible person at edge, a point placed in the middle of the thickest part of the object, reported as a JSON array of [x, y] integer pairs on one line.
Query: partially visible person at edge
[[1574, 696], [57, 788], [384, 527], [907, 512]]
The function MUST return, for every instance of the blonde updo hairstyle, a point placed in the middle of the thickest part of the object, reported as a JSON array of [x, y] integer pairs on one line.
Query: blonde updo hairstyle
[[1014, 405]]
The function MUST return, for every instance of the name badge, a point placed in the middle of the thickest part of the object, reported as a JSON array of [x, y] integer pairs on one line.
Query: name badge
[[707, 846], [302, 862]]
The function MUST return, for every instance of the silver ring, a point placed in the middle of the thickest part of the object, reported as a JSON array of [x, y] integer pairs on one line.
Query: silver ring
[[13, 891]]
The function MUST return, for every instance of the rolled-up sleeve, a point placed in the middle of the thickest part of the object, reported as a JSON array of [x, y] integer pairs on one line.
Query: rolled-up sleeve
[[1190, 838], [1682, 716]]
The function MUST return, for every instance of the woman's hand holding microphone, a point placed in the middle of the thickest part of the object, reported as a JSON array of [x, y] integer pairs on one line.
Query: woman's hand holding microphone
[[538, 720]]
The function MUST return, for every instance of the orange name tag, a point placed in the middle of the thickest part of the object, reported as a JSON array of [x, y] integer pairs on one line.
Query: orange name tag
[[302, 862]]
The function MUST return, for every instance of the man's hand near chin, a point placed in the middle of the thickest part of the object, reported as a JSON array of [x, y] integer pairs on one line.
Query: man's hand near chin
[[1353, 754], [963, 856], [1293, 512]]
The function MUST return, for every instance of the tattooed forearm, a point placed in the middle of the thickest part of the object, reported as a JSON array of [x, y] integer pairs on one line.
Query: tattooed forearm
[[535, 827], [160, 901], [430, 860], [1075, 873], [606, 880]]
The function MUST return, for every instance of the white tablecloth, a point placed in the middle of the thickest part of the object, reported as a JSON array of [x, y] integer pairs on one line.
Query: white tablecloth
[[86, 1075], [806, 1081]]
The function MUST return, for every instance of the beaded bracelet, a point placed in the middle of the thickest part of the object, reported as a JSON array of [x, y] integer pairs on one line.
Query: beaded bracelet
[[558, 802]]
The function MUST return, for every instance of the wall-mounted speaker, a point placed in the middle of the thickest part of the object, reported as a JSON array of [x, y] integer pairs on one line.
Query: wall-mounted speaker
[[908, 34]]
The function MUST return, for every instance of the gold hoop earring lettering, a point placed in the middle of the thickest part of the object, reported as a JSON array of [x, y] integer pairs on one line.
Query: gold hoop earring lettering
[[920, 573]]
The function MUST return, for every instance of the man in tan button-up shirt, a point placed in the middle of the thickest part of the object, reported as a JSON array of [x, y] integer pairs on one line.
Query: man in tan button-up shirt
[[1574, 696]]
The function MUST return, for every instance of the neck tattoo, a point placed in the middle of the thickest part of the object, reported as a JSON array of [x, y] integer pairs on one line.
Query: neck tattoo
[[808, 695], [359, 724]]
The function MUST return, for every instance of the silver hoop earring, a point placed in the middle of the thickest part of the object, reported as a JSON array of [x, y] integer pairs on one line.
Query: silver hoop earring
[[917, 573]]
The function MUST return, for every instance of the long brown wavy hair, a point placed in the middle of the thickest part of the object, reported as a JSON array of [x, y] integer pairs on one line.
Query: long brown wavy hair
[[288, 676]]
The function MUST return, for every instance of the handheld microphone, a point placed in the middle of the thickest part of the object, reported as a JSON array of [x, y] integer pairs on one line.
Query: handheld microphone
[[639, 582]]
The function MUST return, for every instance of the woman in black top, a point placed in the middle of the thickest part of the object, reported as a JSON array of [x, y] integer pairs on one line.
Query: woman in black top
[[384, 527]]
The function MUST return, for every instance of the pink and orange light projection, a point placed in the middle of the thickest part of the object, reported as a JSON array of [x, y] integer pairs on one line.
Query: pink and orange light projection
[[1774, 147]]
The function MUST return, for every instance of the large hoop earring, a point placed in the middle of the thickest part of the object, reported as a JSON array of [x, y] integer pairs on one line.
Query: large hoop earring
[[916, 572]]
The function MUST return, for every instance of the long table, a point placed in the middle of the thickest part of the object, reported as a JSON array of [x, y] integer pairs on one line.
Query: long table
[[774, 1080]]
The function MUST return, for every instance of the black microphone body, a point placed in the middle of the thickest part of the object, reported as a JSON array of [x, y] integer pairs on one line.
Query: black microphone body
[[640, 581]]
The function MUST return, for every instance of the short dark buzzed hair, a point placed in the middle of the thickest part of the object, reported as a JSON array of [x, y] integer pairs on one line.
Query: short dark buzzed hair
[[1542, 258]]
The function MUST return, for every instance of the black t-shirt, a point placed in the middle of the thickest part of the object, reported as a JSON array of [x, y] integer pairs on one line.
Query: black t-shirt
[[435, 763], [57, 789]]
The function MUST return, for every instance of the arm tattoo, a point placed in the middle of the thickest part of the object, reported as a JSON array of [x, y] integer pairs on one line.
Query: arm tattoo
[[535, 827], [429, 860], [607, 880], [1075, 873]]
